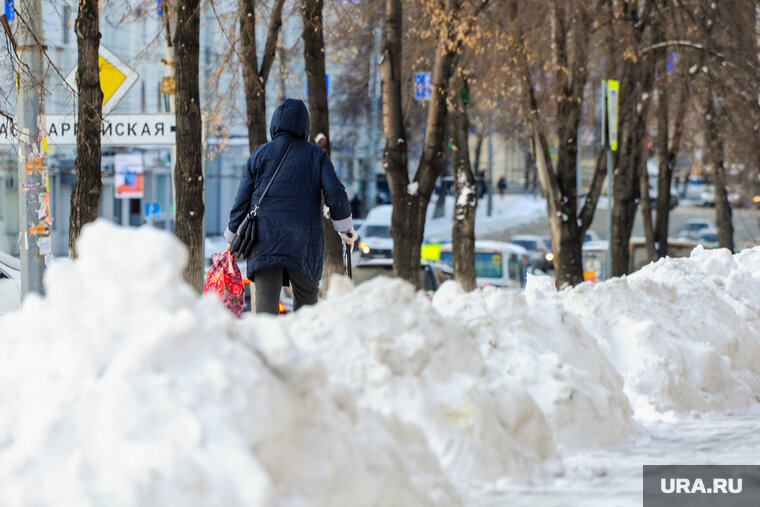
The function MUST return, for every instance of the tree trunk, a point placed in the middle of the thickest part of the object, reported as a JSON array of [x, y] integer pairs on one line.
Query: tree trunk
[[665, 170], [463, 227], [255, 79], [255, 90], [86, 194], [395, 153], [715, 156], [188, 177], [567, 247], [410, 202], [647, 88], [625, 184], [713, 139], [314, 58]]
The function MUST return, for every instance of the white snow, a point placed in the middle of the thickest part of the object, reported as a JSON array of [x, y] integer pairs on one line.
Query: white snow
[[122, 387], [412, 187], [508, 211]]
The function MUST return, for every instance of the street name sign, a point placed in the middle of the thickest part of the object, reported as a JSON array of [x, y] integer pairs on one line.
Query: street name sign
[[116, 130]]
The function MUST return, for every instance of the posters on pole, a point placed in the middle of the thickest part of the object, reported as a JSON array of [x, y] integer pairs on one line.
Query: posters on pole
[[613, 92], [128, 176]]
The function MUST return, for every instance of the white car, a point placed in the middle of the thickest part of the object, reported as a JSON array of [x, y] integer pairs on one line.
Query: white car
[[707, 198], [10, 283], [375, 239]]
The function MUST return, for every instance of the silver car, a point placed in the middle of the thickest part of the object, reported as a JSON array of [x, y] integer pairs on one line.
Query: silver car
[[10, 283]]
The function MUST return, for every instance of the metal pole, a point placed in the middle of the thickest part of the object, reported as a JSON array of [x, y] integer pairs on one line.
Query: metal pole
[[490, 174], [606, 147], [168, 86], [34, 230]]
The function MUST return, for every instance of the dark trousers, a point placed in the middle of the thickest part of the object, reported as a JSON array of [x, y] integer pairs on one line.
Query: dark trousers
[[268, 284]]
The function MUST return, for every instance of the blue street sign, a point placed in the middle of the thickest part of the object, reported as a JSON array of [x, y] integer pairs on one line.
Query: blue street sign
[[9, 12], [423, 85], [152, 208], [670, 61]]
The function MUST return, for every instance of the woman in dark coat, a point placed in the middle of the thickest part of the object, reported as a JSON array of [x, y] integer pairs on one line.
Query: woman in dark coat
[[290, 242]]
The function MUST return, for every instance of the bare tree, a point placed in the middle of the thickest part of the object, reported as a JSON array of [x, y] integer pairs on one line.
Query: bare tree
[[188, 177], [85, 196], [254, 77], [568, 61], [410, 199], [314, 58], [463, 227]]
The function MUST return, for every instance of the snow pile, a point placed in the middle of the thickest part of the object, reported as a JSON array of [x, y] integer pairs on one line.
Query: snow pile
[[552, 353], [684, 333], [387, 344], [122, 387]]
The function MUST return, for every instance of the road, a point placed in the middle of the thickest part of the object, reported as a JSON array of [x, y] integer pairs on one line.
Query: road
[[746, 224]]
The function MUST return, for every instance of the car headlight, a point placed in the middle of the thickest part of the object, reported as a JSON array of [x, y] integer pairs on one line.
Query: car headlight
[[364, 247], [550, 257]]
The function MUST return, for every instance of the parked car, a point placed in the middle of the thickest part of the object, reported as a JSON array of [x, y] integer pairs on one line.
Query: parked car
[[432, 274], [707, 238], [10, 283], [539, 250], [691, 228], [707, 197], [375, 234], [497, 263]]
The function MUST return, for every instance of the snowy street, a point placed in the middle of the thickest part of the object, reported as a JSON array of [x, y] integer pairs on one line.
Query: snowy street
[[612, 476]]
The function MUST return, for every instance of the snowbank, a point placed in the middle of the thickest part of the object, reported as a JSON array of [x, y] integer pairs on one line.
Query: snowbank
[[684, 333], [554, 356], [122, 387], [387, 344]]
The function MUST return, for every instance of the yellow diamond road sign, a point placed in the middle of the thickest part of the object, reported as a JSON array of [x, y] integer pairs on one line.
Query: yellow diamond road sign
[[116, 78]]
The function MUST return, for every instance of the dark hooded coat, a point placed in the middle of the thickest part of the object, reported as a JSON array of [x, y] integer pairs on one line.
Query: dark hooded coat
[[289, 228]]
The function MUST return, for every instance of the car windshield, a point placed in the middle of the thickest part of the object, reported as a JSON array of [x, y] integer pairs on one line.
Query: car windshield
[[528, 244], [695, 226], [377, 231], [487, 265]]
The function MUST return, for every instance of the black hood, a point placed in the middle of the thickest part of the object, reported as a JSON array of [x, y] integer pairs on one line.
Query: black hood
[[290, 117]]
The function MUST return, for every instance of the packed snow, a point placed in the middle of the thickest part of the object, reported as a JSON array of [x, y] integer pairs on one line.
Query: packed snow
[[122, 387]]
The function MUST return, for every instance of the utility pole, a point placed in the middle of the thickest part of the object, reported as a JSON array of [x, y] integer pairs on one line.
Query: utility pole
[[489, 209], [33, 180], [168, 82]]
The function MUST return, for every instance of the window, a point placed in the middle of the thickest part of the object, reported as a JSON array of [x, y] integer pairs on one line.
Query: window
[[527, 244], [487, 264], [377, 231]]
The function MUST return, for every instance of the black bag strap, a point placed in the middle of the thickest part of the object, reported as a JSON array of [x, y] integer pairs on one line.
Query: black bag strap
[[255, 208]]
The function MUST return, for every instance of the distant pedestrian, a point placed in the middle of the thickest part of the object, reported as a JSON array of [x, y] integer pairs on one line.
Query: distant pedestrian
[[291, 174], [502, 185]]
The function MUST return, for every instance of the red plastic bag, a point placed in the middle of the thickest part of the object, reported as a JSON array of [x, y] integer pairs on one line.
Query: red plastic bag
[[224, 279]]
